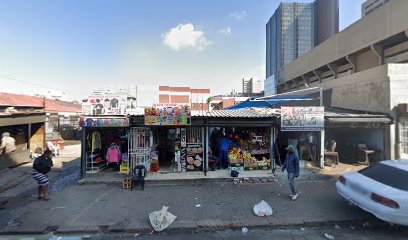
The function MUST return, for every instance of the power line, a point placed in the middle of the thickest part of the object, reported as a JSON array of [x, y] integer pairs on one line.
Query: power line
[[31, 83]]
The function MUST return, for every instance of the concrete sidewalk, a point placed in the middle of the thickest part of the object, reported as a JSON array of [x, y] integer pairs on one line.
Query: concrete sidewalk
[[94, 208], [17, 181]]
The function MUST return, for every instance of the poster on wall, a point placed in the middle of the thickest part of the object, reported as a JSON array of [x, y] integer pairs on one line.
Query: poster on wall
[[106, 105], [168, 115], [302, 118]]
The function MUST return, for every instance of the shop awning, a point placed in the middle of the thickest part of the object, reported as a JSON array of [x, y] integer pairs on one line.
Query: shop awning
[[269, 102]]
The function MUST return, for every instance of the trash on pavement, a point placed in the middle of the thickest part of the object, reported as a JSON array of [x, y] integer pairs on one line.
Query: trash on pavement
[[262, 209], [302, 229], [337, 226], [328, 236], [198, 205], [161, 219], [244, 230]]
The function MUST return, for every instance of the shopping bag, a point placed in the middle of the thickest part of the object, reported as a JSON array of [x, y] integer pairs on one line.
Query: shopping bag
[[262, 209], [161, 219]]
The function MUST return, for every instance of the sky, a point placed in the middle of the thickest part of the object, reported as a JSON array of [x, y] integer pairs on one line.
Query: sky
[[75, 46]]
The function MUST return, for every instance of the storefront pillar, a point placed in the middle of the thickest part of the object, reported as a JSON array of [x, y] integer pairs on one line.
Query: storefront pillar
[[272, 141], [83, 155], [321, 162], [206, 143]]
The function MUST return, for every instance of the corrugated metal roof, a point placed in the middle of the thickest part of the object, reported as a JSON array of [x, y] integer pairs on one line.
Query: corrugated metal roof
[[232, 114], [51, 105]]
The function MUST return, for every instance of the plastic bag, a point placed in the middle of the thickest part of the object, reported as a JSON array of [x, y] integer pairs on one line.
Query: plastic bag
[[263, 209], [161, 219]]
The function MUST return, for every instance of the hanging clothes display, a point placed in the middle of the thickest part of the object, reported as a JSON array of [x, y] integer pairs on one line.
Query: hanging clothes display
[[113, 155], [96, 140]]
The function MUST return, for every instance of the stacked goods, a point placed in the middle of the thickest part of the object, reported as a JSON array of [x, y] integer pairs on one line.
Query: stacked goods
[[264, 164], [235, 156], [194, 157], [250, 164]]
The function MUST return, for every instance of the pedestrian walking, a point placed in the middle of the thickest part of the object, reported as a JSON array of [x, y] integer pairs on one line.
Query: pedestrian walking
[[291, 166], [41, 166]]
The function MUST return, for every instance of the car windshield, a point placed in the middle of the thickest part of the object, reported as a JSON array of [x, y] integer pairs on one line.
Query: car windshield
[[388, 175]]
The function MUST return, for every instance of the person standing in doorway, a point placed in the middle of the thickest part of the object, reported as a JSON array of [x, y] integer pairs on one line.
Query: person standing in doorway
[[41, 166], [225, 144], [291, 166]]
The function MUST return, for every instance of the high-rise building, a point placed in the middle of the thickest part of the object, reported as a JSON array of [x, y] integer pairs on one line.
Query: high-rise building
[[251, 87], [294, 29], [371, 5]]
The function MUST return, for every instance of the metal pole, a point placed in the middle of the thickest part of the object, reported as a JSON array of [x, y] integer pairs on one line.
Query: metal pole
[[321, 163], [83, 155], [206, 149], [272, 141], [321, 149]]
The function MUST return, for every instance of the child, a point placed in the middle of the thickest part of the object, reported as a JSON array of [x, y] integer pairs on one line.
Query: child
[[41, 166]]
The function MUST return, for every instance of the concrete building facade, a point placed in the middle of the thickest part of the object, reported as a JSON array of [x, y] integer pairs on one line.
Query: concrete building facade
[[371, 5], [294, 29], [363, 68], [185, 95]]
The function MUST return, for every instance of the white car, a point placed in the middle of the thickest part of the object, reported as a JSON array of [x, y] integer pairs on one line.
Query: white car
[[381, 189]]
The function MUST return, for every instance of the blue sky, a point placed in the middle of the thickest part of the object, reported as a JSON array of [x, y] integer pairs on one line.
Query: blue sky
[[76, 45]]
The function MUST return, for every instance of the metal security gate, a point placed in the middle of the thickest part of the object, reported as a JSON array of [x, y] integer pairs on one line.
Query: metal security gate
[[139, 147]]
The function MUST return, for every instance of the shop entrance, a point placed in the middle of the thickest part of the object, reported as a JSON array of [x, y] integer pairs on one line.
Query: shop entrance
[[166, 147]]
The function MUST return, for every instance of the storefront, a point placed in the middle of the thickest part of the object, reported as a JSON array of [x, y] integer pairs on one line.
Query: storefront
[[104, 142], [178, 147], [356, 138]]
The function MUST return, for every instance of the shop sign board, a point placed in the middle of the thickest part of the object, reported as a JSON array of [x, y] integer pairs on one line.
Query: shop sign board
[[107, 105], [302, 118], [103, 122], [168, 115], [183, 138]]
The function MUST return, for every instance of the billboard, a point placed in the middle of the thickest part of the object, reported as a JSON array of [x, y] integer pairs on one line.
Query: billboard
[[107, 105], [302, 118], [168, 115]]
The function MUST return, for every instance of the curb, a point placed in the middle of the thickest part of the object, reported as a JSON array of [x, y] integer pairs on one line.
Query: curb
[[202, 181], [201, 228]]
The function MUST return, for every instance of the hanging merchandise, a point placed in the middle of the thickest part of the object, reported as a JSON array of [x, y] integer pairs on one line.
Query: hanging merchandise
[[96, 140], [113, 154]]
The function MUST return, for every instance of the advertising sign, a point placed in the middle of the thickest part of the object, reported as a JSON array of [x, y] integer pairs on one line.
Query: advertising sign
[[106, 105], [302, 118], [103, 122], [168, 115]]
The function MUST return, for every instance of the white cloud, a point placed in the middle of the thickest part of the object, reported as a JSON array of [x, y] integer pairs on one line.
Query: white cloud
[[185, 36], [225, 31], [238, 15]]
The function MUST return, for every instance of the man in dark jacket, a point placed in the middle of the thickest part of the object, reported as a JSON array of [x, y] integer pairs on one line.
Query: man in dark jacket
[[291, 165]]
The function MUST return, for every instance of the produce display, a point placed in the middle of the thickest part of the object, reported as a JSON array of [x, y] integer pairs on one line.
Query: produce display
[[238, 157]]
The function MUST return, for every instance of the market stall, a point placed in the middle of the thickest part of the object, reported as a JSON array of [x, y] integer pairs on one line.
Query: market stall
[[249, 147], [104, 144]]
